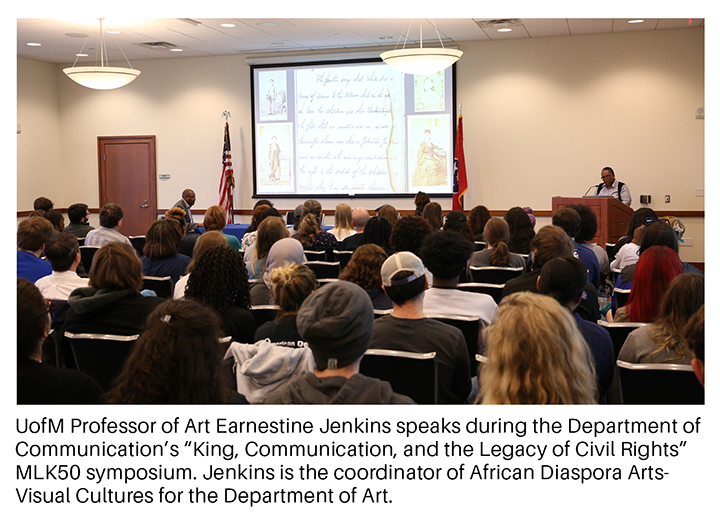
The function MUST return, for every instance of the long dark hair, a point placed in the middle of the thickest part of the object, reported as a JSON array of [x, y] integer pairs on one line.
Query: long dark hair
[[219, 280], [521, 230], [176, 359]]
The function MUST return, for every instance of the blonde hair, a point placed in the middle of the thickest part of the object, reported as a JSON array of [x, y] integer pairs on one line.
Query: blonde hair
[[215, 218], [291, 284], [308, 230], [536, 355], [343, 217]]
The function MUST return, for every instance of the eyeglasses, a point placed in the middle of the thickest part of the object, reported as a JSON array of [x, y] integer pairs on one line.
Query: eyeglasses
[[607, 176], [48, 304]]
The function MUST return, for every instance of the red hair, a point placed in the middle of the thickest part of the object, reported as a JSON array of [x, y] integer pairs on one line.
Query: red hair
[[656, 269]]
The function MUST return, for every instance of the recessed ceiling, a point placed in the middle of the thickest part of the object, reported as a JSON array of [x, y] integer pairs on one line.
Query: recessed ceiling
[[140, 39]]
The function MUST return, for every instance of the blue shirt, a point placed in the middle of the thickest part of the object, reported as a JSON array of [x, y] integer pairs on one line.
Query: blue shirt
[[601, 347], [590, 260], [31, 267]]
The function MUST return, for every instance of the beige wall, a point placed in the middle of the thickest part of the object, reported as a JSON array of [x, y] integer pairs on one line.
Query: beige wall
[[541, 117]]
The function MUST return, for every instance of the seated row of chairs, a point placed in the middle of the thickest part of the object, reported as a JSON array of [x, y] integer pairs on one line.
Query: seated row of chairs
[[88, 252]]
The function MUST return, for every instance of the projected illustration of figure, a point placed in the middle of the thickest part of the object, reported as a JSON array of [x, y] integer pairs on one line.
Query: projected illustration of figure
[[430, 100], [271, 97], [274, 157], [431, 168]]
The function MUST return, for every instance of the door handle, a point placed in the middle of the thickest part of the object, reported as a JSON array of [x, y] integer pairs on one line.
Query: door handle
[[145, 205]]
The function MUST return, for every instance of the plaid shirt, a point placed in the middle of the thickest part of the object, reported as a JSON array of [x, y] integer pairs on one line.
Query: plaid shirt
[[102, 236]]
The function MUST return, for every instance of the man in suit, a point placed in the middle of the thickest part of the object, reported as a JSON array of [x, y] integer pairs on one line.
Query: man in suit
[[187, 201]]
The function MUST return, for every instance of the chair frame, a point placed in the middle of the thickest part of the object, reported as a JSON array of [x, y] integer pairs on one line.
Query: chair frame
[[100, 376], [410, 356], [625, 367], [472, 341], [502, 274], [159, 280], [493, 290], [632, 326]]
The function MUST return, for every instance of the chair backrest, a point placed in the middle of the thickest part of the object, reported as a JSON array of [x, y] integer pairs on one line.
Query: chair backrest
[[480, 245], [100, 356], [494, 274], [343, 257], [619, 332], [494, 290], [162, 286], [322, 282], [290, 217], [611, 250], [621, 296], [138, 242], [324, 269], [412, 374], [81, 241], [86, 256], [614, 272], [377, 313], [470, 327], [659, 384], [264, 313], [315, 255]]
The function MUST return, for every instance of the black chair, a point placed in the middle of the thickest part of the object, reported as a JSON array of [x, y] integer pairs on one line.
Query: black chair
[[621, 296], [619, 332], [324, 270], [377, 313], [100, 356], [290, 217], [494, 274], [659, 384], [494, 290], [412, 374], [614, 272], [322, 282], [315, 255], [611, 250], [86, 256], [81, 241], [162, 286], [470, 327], [480, 245], [343, 257], [264, 313], [138, 242]]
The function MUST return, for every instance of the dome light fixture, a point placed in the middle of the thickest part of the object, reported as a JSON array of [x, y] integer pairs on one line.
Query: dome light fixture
[[102, 77], [425, 60]]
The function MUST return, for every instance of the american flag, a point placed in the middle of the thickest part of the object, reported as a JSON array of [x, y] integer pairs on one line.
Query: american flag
[[460, 184], [227, 181]]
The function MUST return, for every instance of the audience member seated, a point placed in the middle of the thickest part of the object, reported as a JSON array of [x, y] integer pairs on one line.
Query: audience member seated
[[206, 241], [187, 239], [216, 220], [433, 213], [290, 285], [185, 203], [42, 203], [446, 253], [389, 212], [161, 257], [176, 360], [112, 304], [378, 231], [640, 217], [337, 322], [694, 335], [251, 233], [409, 233], [284, 251], [564, 279], [549, 243], [629, 252], [360, 218], [79, 226], [31, 236], [478, 218], [569, 220], [408, 329], [421, 200], [662, 341], [456, 221], [656, 269], [219, 280], [111, 218], [39, 383], [312, 237], [521, 230], [496, 252], [271, 230], [535, 355], [63, 252], [364, 268], [588, 229], [56, 219], [343, 222]]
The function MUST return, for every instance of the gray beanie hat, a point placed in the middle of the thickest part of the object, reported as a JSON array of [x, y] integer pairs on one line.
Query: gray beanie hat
[[337, 322]]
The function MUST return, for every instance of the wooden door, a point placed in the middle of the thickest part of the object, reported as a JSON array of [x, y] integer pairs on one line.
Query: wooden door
[[127, 177]]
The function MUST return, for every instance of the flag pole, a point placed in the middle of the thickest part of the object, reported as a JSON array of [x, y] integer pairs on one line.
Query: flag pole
[[226, 114]]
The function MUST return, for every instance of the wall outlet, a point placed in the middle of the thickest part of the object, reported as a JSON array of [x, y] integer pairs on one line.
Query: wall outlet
[[645, 199], [699, 192], [667, 198], [687, 241]]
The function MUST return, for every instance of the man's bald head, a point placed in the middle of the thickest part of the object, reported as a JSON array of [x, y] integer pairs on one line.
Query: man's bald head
[[360, 217]]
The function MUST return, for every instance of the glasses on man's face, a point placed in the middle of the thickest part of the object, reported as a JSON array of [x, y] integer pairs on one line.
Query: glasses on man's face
[[607, 176]]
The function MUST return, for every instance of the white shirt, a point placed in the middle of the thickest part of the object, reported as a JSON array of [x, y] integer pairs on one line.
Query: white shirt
[[180, 285], [59, 284], [102, 236], [341, 235], [628, 254], [625, 196], [442, 301]]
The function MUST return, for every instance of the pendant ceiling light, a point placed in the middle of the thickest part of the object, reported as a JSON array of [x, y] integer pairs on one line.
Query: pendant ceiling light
[[102, 77], [423, 60]]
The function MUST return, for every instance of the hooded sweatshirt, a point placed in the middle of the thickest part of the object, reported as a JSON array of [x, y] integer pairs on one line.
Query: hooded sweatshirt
[[359, 389]]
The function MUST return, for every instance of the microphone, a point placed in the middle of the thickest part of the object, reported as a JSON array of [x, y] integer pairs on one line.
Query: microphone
[[586, 192]]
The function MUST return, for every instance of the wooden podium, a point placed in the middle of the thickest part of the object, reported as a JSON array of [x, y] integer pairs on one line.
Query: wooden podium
[[612, 215]]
